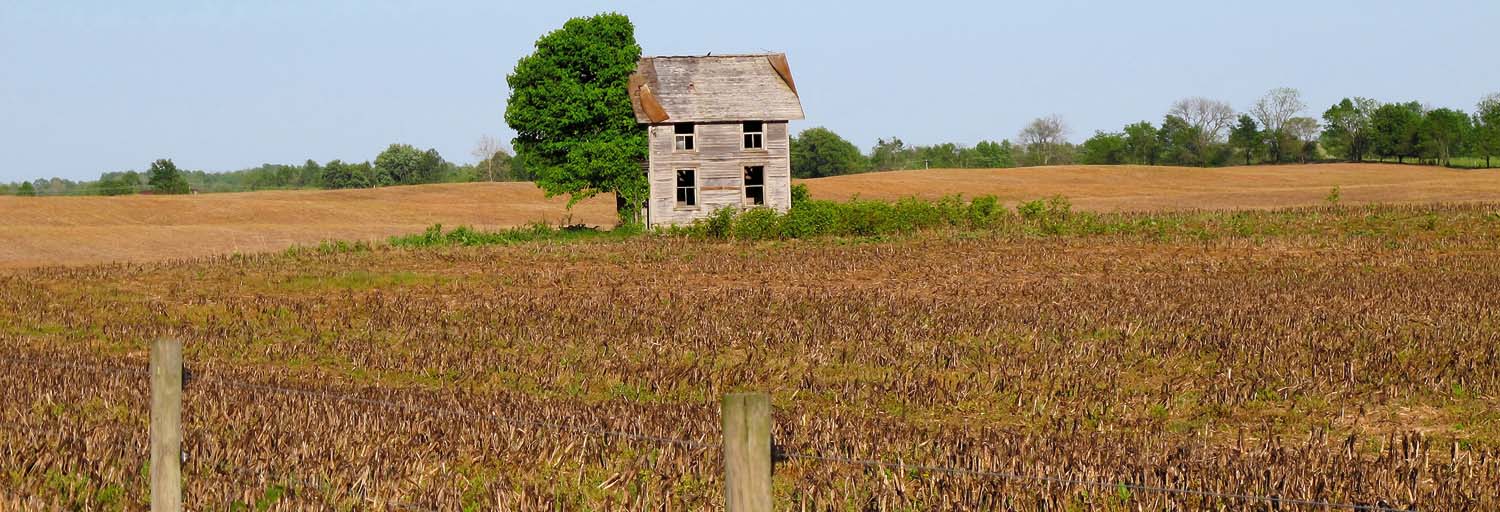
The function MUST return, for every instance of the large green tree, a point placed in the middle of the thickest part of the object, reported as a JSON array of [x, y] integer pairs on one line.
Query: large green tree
[[1179, 142], [1443, 131], [403, 164], [569, 106], [164, 178], [1104, 148], [1348, 127], [1142, 143], [994, 155], [1487, 127], [26, 189], [1393, 130], [337, 174], [1246, 137], [818, 152]]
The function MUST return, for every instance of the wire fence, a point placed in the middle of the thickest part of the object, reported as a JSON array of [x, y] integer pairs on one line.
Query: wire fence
[[691, 444]]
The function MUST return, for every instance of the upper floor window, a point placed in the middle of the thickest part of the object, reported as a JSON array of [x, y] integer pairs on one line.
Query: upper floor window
[[683, 136], [755, 134], [687, 187]]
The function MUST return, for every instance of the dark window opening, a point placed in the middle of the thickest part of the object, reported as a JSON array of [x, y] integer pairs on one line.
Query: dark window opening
[[755, 185], [755, 134], [687, 188], [683, 136]]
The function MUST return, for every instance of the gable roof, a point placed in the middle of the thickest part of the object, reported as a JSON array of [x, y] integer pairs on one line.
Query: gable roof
[[714, 88]]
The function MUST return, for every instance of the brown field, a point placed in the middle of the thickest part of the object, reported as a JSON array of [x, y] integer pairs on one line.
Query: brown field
[[1107, 188], [1347, 354], [82, 230]]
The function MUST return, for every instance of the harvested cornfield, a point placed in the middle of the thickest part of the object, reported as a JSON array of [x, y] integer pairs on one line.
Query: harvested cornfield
[[1346, 355]]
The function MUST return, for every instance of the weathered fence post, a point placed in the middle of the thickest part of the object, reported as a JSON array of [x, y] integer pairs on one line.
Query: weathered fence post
[[747, 452], [166, 425]]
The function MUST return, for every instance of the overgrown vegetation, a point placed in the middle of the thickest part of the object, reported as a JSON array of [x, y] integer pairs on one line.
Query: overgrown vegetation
[[1047, 217], [434, 236]]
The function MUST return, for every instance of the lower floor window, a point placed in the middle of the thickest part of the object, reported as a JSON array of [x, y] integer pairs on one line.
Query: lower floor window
[[755, 185], [687, 187]]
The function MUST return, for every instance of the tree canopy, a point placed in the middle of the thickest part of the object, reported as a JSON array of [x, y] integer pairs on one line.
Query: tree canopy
[[1393, 130], [404, 164], [1104, 148], [818, 152], [164, 178], [570, 108]]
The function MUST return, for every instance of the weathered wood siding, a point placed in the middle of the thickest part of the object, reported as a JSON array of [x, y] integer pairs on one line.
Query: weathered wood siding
[[720, 164]]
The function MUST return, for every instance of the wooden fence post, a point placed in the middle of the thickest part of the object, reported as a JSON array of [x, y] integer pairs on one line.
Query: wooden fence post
[[166, 425], [747, 452]]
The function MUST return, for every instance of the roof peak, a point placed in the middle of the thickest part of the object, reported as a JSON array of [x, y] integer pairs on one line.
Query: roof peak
[[712, 56]]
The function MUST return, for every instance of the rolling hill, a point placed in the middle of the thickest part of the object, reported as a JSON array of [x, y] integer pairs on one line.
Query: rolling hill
[[82, 230]]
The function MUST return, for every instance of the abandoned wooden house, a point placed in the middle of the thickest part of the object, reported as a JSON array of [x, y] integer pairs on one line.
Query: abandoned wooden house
[[718, 133]]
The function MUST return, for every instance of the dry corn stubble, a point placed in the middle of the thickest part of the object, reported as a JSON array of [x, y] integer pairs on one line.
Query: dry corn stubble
[[1342, 368]]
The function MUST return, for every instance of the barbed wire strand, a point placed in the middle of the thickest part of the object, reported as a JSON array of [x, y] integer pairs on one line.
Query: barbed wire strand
[[690, 444]]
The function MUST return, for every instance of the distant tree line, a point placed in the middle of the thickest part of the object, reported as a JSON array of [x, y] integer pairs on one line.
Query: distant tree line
[[1198, 132], [399, 164]]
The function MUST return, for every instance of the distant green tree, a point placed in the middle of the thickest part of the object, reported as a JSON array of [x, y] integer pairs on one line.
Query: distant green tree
[[1309, 151], [402, 164], [1348, 125], [1142, 143], [1443, 131], [571, 110], [991, 155], [1393, 130], [946, 155], [308, 173], [1487, 127], [1179, 142], [163, 177], [890, 154], [26, 189], [116, 184], [1104, 148], [1246, 137], [337, 174], [818, 152]]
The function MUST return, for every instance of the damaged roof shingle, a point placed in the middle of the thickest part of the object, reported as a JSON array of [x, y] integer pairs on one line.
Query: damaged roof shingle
[[714, 88]]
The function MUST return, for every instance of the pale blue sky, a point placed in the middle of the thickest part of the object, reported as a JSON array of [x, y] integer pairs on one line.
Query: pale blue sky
[[90, 86]]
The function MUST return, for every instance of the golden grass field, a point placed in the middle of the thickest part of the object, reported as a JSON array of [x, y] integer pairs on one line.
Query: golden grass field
[[83, 230]]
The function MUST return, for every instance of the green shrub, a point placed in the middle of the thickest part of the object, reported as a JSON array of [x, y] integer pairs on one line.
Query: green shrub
[[856, 217], [799, 194], [434, 236], [757, 224], [984, 212], [809, 218], [720, 223]]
